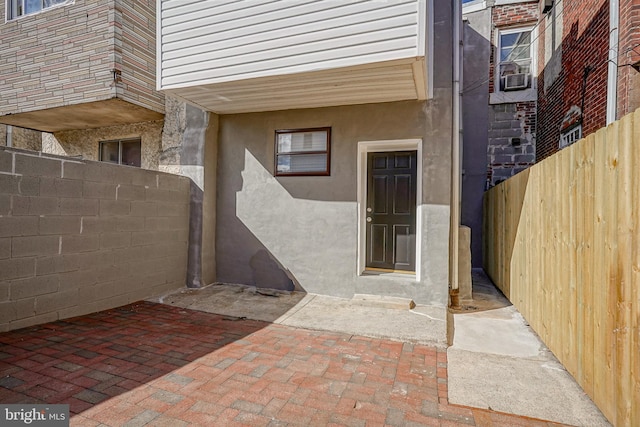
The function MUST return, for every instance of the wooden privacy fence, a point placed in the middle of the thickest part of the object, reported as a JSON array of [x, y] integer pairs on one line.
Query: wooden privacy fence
[[562, 241]]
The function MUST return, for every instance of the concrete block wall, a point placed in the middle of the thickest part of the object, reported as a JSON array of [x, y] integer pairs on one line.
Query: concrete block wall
[[80, 236], [511, 140]]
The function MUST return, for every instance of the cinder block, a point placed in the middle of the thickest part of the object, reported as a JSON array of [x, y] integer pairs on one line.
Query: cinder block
[[6, 161], [173, 209], [173, 182], [25, 308], [58, 187], [18, 226], [7, 312], [101, 172], [17, 268], [130, 192], [115, 240], [5, 204], [169, 196], [143, 238], [98, 224], [56, 301], [74, 311], [139, 208], [84, 207], [5, 248], [37, 166], [9, 184], [34, 246], [115, 207], [98, 190], [34, 206], [73, 170], [59, 225], [145, 178], [34, 286], [130, 223], [29, 186], [80, 243], [78, 279], [4, 291]]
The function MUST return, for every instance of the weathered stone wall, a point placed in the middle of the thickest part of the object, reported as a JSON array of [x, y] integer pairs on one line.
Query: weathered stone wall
[[80, 236], [85, 143]]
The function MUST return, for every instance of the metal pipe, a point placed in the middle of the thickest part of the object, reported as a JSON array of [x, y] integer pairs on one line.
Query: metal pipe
[[456, 149], [612, 76], [9, 136]]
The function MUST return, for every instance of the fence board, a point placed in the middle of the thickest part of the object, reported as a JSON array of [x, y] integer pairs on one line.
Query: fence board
[[562, 242]]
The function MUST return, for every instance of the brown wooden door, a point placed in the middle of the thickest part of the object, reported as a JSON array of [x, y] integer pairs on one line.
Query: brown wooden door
[[391, 210]]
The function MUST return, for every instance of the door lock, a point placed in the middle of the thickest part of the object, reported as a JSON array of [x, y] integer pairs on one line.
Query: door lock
[[368, 219]]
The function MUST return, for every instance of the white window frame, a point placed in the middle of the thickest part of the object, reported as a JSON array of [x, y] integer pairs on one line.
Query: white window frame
[[498, 96], [570, 136], [9, 5]]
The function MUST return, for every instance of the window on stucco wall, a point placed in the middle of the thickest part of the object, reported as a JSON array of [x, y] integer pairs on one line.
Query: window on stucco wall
[[303, 152], [122, 152]]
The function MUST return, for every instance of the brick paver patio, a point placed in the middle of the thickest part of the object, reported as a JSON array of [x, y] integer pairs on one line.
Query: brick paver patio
[[152, 364]]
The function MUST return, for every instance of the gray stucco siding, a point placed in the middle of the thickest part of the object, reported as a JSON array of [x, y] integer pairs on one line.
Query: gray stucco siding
[[302, 232]]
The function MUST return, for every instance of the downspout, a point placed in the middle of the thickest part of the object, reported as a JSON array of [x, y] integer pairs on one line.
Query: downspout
[[9, 136], [456, 154], [612, 77]]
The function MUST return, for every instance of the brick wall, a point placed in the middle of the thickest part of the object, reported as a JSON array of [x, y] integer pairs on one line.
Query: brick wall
[[585, 43], [65, 55], [80, 236], [512, 125], [628, 53]]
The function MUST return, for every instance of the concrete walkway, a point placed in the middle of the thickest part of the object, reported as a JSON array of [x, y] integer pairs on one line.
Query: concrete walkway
[[498, 362]]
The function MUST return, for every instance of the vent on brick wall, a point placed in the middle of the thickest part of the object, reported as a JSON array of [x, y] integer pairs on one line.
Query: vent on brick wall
[[516, 81]]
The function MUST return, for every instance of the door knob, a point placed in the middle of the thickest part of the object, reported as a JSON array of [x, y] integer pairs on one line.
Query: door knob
[[369, 209]]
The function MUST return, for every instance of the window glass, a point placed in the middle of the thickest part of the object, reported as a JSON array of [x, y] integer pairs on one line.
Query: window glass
[[303, 152], [124, 152], [17, 8], [131, 153], [110, 151], [515, 60]]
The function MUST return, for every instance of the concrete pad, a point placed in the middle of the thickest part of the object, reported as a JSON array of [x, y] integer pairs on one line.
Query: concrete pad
[[497, 362], [372, 317], [423, 324]]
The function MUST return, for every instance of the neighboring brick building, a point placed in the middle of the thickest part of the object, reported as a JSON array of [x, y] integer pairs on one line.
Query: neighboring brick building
[[586, 80], [499, 102]]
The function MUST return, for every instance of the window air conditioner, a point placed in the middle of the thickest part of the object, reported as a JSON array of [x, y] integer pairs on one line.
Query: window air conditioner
[[516, 81]]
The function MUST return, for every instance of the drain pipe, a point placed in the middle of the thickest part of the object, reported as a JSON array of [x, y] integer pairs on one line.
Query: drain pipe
[[612, 77], [456, 155], [9, 136]]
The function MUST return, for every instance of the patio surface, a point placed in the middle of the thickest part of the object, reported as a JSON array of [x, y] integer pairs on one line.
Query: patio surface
[[154, 364]]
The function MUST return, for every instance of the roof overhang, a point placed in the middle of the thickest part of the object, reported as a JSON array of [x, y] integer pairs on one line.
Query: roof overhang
[[398, 80], [111, 112]]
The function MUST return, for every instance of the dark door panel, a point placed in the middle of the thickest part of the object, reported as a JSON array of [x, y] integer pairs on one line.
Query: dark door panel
[[391, 210]]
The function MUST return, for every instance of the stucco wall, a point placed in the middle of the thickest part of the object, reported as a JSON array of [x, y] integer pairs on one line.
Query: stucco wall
[[85, 143], [80, 236], [302, 232], [21, 138]]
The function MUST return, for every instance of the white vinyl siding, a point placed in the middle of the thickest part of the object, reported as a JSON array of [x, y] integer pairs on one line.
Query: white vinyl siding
[[215, 41]]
